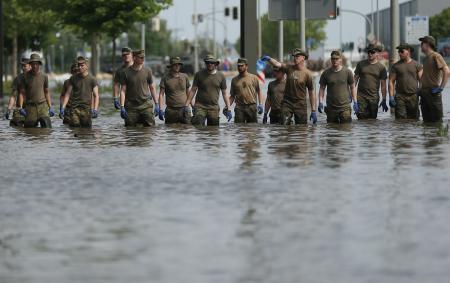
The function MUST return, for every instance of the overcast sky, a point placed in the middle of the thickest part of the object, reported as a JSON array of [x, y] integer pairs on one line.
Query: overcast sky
[[179, 17]]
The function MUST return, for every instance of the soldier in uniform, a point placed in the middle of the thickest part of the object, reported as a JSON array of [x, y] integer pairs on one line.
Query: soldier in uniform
[[434, 79], [127, 61], [66, 118], [298, 80], [337, 80], [404, 80], [137, 85], [275, 94], [82, 88], [369, 75], [206, 87], [35, 96], [175, 87], [246, 92], [17, 119]]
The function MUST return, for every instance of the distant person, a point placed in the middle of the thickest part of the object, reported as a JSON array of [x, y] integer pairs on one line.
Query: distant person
[[82, 88], [174, 86], [275, 94], [127, 61], [246, 92], [135, 100], [17, 119], [434, 79], [207, 85], [369, 75], [404, 80], [35, 96], [339, 83], [66, 118], [299, 80]]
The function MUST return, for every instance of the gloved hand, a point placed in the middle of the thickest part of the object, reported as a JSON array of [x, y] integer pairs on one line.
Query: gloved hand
[[265, 118], [23, 112], [227, 113], [61, 112], [7, 114], [51, 112], [185, 109], [123, 113], [162, 115], [265, 58], [436, 90], [116, 103], [320, 108], [157, 109], [313, 117], [383, 105], [94, 113], [392, 102], [356, 107], [260, 109]]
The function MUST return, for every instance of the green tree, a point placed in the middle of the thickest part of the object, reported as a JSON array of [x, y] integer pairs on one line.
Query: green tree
[[440, 23]]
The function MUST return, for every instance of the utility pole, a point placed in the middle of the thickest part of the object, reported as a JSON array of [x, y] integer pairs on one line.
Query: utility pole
[[143, 36], [302, 25], [280, 41], [249, 33], [214, 29], [378, 22], [395, 34], [340, 25], [259, 30], [195, 38], [1, 49]]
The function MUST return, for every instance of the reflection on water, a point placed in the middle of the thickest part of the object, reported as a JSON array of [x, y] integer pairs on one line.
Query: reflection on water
[[366, 202]]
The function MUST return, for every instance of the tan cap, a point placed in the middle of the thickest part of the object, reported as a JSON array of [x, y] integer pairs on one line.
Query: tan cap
[[428, 39], [81, 60], [126, 50], [211, 59], [35, 58], [298, 51], [336, 54], [174, 61], [139, 53]]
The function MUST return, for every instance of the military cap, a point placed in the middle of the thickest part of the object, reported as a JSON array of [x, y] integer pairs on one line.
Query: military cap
[[35, 58], [373, 47], [24, 61], [126, 50], [82, 60], [211, 59], [428, 39], [405, 46], [174, 61], [242, 61], [298, 51], [139, 53], [74, 66], [336, 54]]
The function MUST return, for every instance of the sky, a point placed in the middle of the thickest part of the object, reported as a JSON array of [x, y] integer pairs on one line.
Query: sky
[[179, 17]]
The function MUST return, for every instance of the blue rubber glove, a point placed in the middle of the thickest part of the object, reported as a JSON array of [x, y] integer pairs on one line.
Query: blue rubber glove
[[157, 109], [265, 118], [436, 90], [94, 113], [392, 102], [116, 103], [185, 109], [260, 109], [162, 114], [383, 105], [61, 112], [229, 115], [51, 112], [7, 114], [356, 107], [23, 112], [320, 108], [313, 117], [265, 58], [123, 113]]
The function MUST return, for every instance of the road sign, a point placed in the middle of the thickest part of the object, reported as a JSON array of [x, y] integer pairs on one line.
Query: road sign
[[289, 9], [416, 27]]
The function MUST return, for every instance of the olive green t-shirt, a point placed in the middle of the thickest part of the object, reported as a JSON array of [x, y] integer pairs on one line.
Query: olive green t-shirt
[[337, 84], [406, 78], [432, 67], [245, 89], [137, 83], [370, 76], [119, 73], [34, 85], [297, 82], [275, 93], [209, 87], [82, 88], [175, 88]]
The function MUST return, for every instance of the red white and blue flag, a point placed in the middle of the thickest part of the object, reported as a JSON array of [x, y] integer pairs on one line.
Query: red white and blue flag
[[260, 67]]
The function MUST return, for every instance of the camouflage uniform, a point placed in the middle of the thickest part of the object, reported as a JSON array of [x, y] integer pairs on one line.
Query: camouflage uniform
[[175, 89], [245, 89], [35, 102]]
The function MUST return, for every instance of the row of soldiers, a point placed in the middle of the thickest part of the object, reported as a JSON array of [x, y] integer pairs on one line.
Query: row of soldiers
[[134, 90]]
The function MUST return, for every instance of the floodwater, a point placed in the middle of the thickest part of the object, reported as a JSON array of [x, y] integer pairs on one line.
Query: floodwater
[[367, 202]]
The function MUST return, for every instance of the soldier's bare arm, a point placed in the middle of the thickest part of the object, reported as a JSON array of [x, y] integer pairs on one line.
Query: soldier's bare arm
[[392, 78], [153, 92], [277, 64], [445, 76], [191, 95], [312, 98], [21, 97], [116, 89], [353, 92], [161, 96], [67, 96], [122, 95], [322, 93], [96, 97], [260, 96], [383, 89], [12, 100], [47, 97], [226, 98]]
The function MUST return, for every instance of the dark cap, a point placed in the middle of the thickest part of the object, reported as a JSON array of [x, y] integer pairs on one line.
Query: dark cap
[[174, 61], [35, 58], [373, 47], [428, 39], [24, 61], [336, 54], [139, 53], [242, 61], [211, 59], [298, 51], [403, 46], [73, 67], [81, 60], [126, 50]]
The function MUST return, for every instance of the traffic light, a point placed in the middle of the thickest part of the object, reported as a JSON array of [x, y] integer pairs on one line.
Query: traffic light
[[200, 18], [235, 13], [227, 12], [338, 11]]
